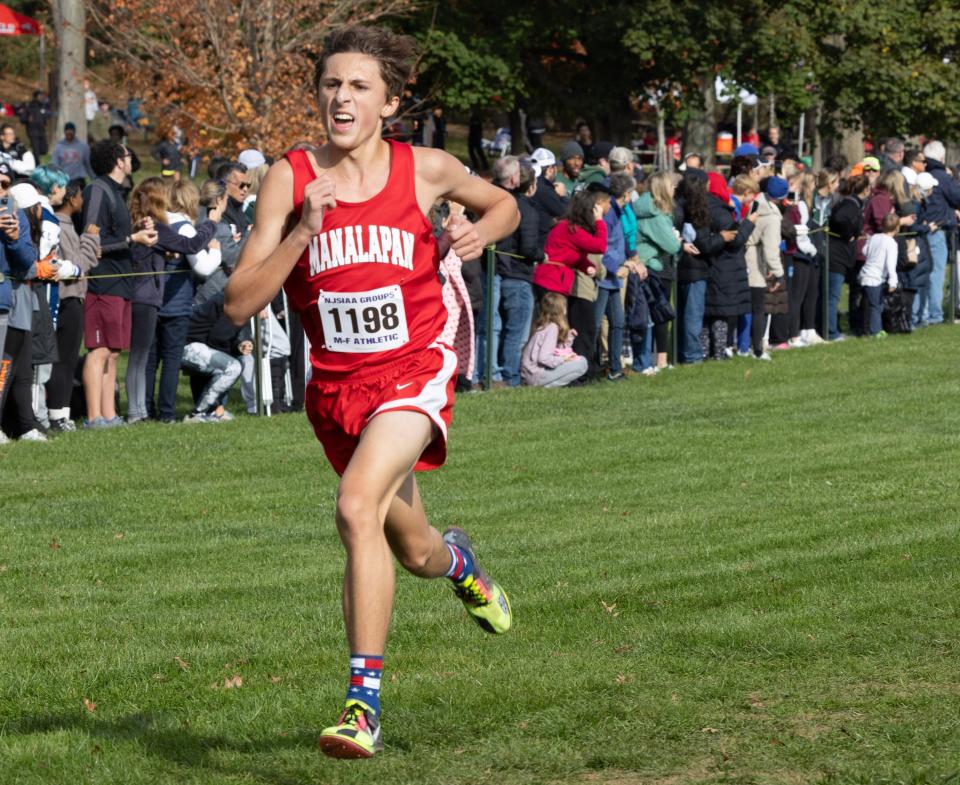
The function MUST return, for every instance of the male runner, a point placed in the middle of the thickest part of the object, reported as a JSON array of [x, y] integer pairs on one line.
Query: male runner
[[345, 229]]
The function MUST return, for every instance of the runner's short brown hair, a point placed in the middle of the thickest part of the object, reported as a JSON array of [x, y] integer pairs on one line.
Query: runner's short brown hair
[[395, 53]]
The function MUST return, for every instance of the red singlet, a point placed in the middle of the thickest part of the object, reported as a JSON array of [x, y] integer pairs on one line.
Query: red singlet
[[366, 287]]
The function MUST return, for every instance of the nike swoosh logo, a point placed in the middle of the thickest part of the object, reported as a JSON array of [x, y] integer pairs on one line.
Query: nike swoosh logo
[[404, 386]]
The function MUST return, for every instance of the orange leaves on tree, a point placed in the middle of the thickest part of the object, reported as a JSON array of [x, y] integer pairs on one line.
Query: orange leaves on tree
[[231, 74]]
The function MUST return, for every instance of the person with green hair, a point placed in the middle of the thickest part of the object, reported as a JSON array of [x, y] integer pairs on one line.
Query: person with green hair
[[51, 182]]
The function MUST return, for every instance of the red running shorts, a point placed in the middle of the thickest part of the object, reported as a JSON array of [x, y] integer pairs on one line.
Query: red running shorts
[[339, 409]]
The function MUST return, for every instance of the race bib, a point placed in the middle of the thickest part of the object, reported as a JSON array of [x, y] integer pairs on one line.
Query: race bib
[[363, 322]]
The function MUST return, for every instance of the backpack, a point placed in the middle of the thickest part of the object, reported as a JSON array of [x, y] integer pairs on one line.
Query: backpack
[[896, 315]]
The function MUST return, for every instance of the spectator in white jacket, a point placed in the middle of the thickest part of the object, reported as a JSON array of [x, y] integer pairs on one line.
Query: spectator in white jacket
[[879, 269]]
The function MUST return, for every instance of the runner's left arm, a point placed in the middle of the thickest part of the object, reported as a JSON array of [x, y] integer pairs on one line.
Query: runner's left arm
[[445, 177]]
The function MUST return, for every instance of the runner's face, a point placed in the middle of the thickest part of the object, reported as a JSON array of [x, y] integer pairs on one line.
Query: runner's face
[[353, 99]]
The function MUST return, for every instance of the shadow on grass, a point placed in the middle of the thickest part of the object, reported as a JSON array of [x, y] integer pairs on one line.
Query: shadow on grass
[[179, 745]]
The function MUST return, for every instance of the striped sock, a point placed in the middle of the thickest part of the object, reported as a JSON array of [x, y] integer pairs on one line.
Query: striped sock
[[461, 564], [365, 672]]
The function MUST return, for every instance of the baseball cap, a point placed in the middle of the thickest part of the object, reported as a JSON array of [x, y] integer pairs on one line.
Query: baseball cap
[[543, 158], [909, 175], [25, 195], [746, 149], [768, 150], [871, 164], [251, 159], [926, 181], [622, 156]]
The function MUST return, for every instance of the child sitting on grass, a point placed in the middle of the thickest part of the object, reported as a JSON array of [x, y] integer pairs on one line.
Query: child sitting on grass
[[548, 359], [880, 265]]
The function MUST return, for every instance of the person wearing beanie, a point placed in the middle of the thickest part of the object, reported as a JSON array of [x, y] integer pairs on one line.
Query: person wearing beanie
[[728, 292], [940, 209], [571, 162]]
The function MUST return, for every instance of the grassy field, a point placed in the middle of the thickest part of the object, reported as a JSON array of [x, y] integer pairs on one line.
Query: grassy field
[[739, 573]]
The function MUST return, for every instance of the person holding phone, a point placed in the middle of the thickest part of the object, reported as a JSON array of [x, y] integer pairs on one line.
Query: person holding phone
[[17, 256]]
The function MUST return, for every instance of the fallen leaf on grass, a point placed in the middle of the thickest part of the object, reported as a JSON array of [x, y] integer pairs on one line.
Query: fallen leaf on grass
[[747, 375], [709, 730], [776, 742], [624, 679], [611, 609], [276, 679], [755, 701], [523, 725], [119, 536], [54, 545], [184, 665], [89, 705], [674, 698], [228, 683], [3, 568], [625, 649]]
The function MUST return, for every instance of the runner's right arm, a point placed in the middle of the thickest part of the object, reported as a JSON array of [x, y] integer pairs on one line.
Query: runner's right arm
[[268, 256]]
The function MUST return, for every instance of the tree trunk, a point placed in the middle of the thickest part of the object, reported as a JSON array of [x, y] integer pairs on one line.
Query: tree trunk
[[518, 143], [70, 23], [817, 139], [702, 126], [851, 144]]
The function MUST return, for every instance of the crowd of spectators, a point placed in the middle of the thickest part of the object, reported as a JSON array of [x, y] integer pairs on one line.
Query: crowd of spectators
[[740, 262], [613, 270]]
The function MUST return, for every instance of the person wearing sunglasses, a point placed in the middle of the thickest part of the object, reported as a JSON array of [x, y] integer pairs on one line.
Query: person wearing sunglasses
[[236, 180]]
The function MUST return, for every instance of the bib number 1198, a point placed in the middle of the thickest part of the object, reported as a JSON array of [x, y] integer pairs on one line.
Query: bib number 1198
[[363, 322]]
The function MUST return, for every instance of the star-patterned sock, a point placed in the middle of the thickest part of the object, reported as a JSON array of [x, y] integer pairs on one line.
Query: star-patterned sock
[[365, 671]]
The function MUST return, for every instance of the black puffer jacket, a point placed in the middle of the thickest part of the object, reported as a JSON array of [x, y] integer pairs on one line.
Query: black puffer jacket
[[728, 289], [525, 242], [846, 222]]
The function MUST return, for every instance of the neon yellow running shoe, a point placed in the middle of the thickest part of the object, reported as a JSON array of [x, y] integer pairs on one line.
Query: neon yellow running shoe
[[356, 734], [484, 598]]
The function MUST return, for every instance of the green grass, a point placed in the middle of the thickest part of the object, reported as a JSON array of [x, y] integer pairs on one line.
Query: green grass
[[739, 573]]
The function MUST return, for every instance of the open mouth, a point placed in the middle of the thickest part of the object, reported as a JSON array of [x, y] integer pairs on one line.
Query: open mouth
[[342, 122]]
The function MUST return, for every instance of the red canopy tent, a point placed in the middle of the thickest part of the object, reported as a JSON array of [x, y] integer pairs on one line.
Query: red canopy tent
[[13, 23]]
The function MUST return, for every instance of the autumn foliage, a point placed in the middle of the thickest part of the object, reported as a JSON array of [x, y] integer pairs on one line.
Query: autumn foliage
[[231, 73]]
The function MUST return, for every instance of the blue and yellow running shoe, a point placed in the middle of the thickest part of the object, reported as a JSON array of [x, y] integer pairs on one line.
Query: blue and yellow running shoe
[[484, 599], [356, 734]]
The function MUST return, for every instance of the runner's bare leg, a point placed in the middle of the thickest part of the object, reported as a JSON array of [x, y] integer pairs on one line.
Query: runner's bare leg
[[388, 450]]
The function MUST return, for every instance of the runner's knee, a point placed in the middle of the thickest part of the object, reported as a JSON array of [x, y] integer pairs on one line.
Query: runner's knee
[[357, 516]]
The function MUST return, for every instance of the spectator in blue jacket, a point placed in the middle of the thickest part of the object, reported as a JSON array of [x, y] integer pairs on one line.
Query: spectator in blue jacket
[[940, 209], [17, 256], [614, 260]]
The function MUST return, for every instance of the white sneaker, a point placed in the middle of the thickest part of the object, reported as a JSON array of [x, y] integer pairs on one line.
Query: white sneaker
[[651, 371], [33, 436], [4, 439], [765, 357], [813, 338], [797, 343], [728, 351], [745, 354]]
